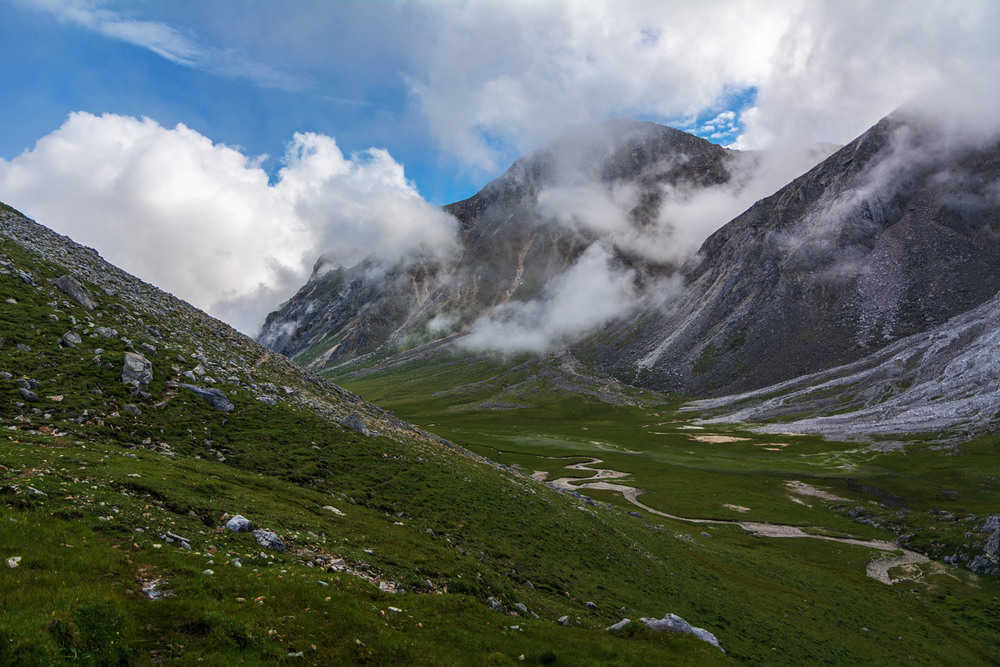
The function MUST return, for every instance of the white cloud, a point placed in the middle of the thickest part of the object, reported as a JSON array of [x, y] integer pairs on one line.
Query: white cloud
[[583, 297], [170, 43], [503, 78], [201, 219]]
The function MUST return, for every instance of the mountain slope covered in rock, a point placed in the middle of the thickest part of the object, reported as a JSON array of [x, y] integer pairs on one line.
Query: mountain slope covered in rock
[[522, 230], [892, 235]]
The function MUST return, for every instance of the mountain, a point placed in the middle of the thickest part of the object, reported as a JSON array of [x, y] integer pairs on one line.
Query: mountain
[[892, 235], [516, 235]]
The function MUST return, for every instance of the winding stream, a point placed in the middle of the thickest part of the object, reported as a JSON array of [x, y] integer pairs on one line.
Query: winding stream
[[876, 569]]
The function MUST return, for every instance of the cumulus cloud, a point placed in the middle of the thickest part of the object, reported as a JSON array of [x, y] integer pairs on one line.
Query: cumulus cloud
[[584, 296], [202, 220], [822, 71], [528, 70]]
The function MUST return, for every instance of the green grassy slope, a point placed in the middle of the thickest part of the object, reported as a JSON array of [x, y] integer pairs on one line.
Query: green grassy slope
[[94, 480], [527, 414], [426, 534]]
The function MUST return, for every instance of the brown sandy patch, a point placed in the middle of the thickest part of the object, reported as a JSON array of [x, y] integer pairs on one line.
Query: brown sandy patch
[[737, 508], [803, 489], [717, 439]]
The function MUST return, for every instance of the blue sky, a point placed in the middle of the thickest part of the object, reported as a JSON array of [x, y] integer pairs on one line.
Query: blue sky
[[349, 86], [250, 137]]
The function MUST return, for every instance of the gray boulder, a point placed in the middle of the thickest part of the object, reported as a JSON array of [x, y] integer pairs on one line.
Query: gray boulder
[[71, 339], [674, 623], [353, 422], [619, 625], [137, 371], [28, 395], [147, 349], [213, 397], [992, 548], [75, 290], [495, 605], [106, 332], [669, 623], [992, 524], [239, 524], [269, 540]]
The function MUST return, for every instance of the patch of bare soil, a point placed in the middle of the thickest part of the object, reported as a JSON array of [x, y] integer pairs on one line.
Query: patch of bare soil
[[803, 489], [717, 439]]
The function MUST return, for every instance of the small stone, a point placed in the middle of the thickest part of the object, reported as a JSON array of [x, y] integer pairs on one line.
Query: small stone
[[591, 605], [106, 332], [213, 397], [269, 540], [76, 290], [208, 572], [13, 562], [72, 339], [28, 395], [137, 371], [239, 524], [353, 422], [563, 620], [619, 625], [495, 605]]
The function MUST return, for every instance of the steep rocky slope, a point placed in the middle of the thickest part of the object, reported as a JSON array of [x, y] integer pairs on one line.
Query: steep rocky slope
[[512, 244], [890, 236], [946, 380]]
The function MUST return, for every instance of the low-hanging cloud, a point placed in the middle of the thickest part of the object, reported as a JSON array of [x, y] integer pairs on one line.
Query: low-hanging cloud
[[584, 296], [202, 220]]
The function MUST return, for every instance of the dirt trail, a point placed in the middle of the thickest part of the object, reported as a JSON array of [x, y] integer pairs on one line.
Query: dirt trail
[[876, 569]]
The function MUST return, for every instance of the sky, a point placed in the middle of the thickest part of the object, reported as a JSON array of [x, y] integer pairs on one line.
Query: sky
[[217, 149]]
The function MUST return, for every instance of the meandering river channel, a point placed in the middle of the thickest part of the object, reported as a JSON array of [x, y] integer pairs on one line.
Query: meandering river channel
[[876, 569]]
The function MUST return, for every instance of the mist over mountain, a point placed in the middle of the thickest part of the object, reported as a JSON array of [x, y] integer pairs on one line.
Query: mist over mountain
[[614, 208]]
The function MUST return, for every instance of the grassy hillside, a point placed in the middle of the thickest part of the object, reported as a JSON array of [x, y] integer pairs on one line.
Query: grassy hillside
[[540, 416], [113, 506]]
